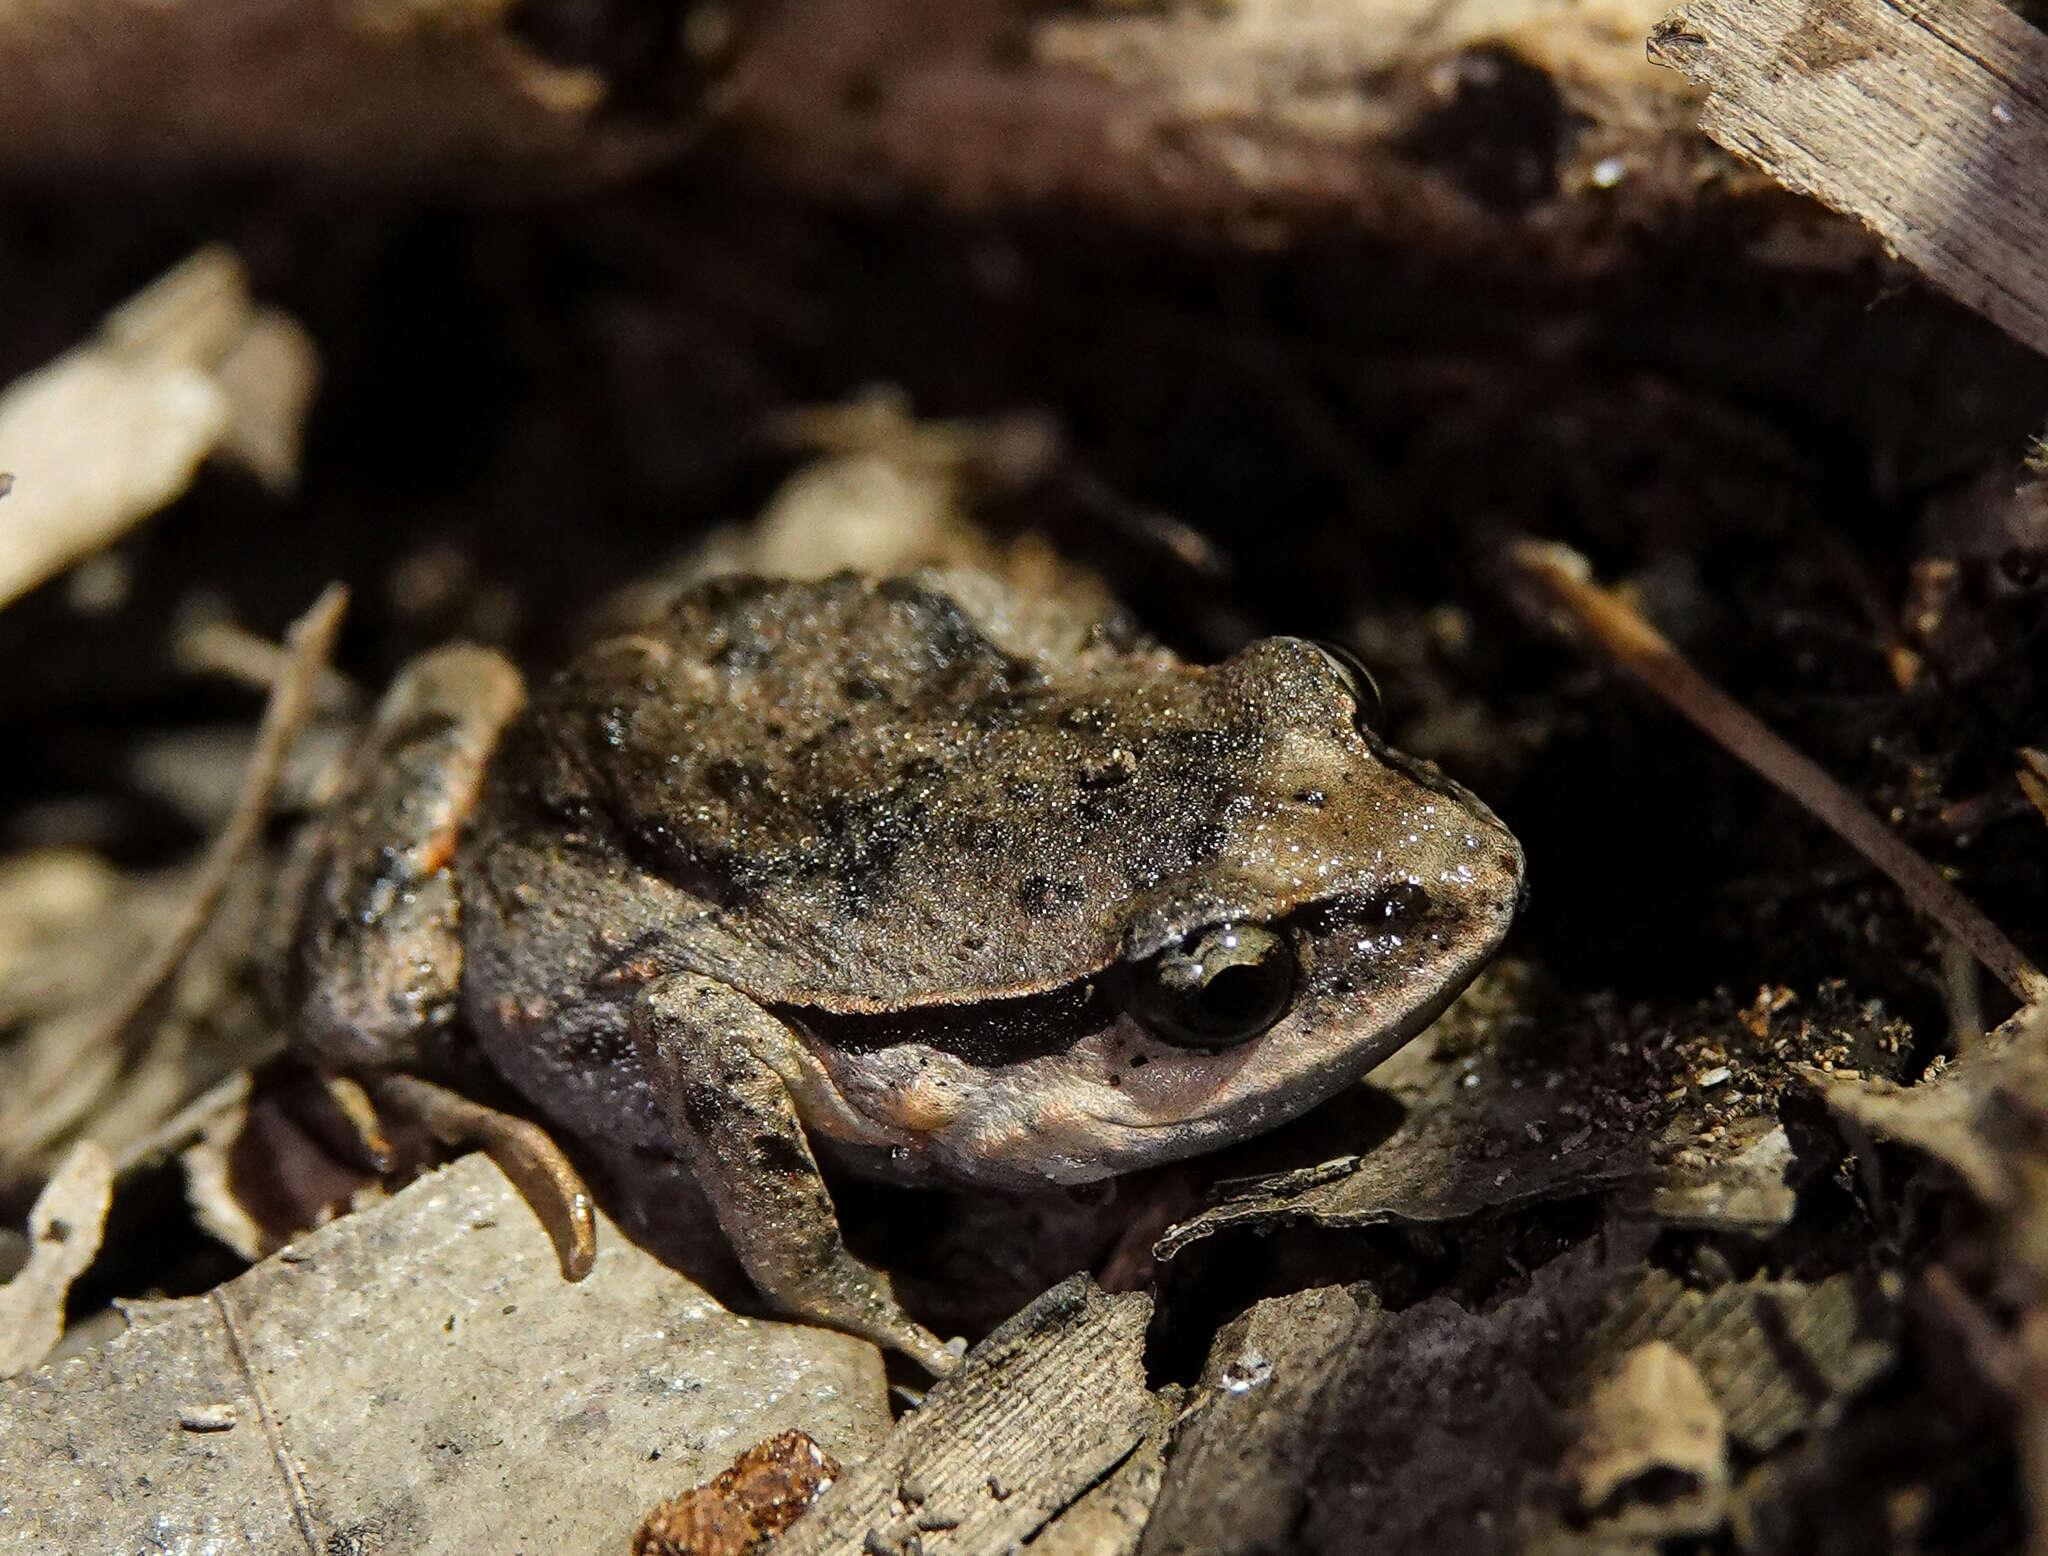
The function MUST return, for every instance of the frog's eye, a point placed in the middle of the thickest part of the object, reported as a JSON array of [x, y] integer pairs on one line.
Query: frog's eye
[[1219, 987], [1358, 681]]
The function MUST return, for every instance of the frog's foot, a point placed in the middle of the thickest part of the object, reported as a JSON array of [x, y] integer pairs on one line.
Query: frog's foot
[[524, 1152], [713, 1054], [343, 1118]]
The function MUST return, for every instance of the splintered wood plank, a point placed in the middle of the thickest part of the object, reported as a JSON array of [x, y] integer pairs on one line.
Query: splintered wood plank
[[1925, 119], [1042, 1412]]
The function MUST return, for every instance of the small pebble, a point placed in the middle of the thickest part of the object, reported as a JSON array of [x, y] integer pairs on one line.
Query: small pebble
[[208, 1418]]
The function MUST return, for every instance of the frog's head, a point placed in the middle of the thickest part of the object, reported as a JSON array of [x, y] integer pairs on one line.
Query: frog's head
[[1297, 901]]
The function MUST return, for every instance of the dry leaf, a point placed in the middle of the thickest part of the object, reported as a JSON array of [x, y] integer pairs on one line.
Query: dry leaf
[[64, 1234], [110, 432], [416, 1377]]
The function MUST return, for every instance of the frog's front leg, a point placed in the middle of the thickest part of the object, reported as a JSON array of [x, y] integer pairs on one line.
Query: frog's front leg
[[370, 959], [714, 1056], [367, 962]]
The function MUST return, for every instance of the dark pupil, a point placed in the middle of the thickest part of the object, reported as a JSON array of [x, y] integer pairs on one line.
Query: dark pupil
[[1238, 995]]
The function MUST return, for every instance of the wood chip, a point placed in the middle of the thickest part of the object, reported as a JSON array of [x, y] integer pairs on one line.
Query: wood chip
[[1237, 1480], [744, 1506], [1925, 119], [1041, 1412]]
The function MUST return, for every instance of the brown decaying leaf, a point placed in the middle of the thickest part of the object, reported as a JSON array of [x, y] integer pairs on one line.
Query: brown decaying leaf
[[1981, 1116]]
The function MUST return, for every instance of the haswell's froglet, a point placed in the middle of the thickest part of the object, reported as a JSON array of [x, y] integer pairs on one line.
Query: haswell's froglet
[[917, 875]]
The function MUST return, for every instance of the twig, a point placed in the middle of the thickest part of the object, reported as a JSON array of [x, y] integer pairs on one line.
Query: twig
[[225, 649], [1561, 578], [293, 697], [2033, 777]]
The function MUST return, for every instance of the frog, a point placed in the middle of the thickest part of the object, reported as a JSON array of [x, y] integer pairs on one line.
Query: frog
[[920, 878]]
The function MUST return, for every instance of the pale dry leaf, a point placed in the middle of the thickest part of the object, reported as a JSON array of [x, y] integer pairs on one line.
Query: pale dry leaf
[[415, 1377], [1652, 1431], [64, 1233], [269, 376], [96, 445], [114, 429]]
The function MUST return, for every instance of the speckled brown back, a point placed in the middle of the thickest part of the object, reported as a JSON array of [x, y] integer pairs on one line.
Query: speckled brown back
[[845, 794]]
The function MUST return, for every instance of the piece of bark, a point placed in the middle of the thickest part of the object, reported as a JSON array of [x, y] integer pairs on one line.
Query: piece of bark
[[415, 1377], [1466, 126], [1258, 1413], [1111, 1519], [363, 87], [1777, 1355], [1040, 1413], [1324, 1423], [1925, 119]]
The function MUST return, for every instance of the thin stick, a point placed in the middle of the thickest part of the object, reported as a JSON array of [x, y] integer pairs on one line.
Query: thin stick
[[1561, 578], [226, 649], [293, 698]]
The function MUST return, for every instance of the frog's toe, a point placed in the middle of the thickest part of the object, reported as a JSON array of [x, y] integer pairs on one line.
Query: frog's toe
[[524, 1152], [859, 1301], [937, 1357]]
